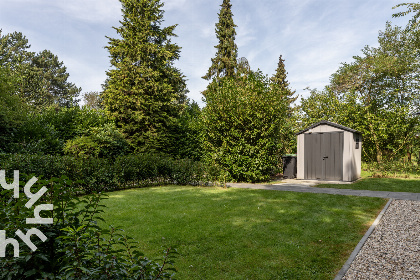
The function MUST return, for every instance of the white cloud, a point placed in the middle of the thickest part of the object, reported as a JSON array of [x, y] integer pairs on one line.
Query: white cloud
[[84, 10], [174, 4], [90, 10], [314, 36]]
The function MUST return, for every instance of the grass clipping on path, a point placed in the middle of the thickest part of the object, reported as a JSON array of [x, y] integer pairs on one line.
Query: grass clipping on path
[[244, 234]]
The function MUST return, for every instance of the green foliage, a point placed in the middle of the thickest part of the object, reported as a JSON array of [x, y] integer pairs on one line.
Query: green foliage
[[411, 8], [243, 121], [108, 174], [76, 247], [41, 78], [104, 141], [376, 94], [224, 64], [387, 134], [393, 169], [12, 110], [13, 50], [279, 80], [46, 82], [187, 133], [47, 131], [145, 92]]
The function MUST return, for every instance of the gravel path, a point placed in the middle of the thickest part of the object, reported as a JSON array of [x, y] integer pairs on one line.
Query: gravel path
[[392, 251]]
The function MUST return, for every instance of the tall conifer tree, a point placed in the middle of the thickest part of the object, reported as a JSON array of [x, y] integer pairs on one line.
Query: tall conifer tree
[[280, 84], [225, 62], [144, 92], [280, 80]]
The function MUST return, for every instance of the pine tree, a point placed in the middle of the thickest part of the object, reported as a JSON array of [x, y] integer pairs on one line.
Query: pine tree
[[279, 79], [280, 84], [40, 79], [144, 92], [224, 64]]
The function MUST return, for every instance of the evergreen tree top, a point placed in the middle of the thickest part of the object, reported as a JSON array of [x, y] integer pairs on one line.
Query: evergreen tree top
[[279, 78], [143, 41], [225, 62], [144, 92]]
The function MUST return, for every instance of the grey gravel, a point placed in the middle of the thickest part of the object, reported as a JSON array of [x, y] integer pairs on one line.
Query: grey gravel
[[392, 251]]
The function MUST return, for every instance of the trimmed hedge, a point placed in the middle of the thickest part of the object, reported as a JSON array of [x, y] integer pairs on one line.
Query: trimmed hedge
[[101, 174]]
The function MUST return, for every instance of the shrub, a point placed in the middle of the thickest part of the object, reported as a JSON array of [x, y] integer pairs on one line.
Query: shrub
[[103, 174], [244, 124], [187, 172], [76, 247], [47, 131], [104, 141]]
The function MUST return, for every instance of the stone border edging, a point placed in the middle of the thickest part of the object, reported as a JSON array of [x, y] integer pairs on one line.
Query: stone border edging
[[359, 246]]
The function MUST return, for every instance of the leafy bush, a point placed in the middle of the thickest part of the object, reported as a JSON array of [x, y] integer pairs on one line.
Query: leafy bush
[[12, 109], [104, 141], [76, 247], [103, 174], [47, 131], [187, 172], [188, 134], [244, 124]]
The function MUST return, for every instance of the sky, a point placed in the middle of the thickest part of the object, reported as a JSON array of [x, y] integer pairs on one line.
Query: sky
[[313, 36]]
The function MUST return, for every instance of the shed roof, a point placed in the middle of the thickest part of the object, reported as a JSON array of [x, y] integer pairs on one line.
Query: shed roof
[[339, 126]]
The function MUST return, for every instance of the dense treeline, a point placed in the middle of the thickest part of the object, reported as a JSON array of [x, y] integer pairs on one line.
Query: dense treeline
[[377, 94], [247, 123]]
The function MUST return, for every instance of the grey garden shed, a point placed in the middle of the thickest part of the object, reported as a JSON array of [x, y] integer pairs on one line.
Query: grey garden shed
[[329, 151]]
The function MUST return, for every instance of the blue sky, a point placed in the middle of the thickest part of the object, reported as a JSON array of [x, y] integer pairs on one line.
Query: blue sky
[[314, 36]]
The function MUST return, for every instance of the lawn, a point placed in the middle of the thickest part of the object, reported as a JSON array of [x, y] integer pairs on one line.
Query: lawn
[[379, 184], [242, 233]]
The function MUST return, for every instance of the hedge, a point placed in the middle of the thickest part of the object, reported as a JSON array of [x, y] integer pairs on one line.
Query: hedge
[[101, 174]]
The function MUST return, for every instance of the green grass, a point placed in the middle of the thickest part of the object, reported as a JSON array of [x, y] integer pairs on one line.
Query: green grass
[[379, 184], [242, 233]]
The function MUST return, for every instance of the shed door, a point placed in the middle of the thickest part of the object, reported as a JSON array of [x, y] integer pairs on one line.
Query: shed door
[[324, 156]]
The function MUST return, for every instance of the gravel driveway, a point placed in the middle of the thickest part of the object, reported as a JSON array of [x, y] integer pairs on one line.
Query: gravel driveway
[[392, 251]]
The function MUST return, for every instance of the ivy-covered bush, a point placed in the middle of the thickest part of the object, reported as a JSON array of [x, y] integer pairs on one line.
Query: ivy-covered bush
[[76, 247]]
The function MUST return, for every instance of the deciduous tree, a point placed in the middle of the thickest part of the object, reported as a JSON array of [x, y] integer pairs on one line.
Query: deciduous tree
[[243, 122], [93, 100], [376, 94]]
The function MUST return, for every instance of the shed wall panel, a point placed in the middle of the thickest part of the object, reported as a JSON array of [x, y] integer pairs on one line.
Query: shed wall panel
[[300, 157], [348, 157], [323, 128]]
